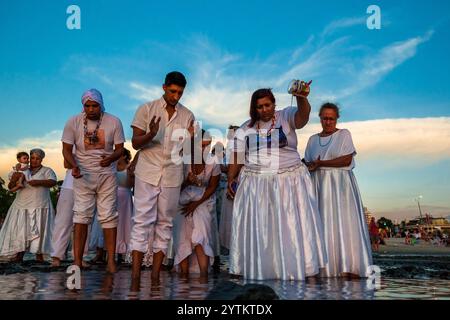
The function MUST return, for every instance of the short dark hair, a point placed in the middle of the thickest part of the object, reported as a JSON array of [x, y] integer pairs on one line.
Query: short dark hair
[[259, 94], [21, 154], [329, 105], [176, 78]]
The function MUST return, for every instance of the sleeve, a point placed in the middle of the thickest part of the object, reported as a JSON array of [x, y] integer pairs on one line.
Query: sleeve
[[347, 146], [216, 170], [308, 151], [68, 135], [288, 115], [119, 136], [141, 120], [50, 174], [190, 118]]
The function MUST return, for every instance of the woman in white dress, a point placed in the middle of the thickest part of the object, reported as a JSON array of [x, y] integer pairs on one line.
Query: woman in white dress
[[29, 221], [330, 158], [277, 230], [195, 227]]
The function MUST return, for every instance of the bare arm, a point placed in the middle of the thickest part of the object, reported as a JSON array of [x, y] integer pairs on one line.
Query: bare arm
[[233, 170], [42, 183], [70, 161], [212, 186], [303, 111], [141, 138], [339, 162]]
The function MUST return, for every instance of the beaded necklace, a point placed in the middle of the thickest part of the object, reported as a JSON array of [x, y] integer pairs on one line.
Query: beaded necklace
[[329, 141], [272, 126], [92, 136]]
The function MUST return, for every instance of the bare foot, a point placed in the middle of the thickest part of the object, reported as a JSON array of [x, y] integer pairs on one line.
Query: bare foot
[[39, 257], [56, 262]]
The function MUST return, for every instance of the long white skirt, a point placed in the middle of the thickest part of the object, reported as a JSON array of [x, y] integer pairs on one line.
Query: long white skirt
[[125, 209], [225, 224], [277, 231], [346, 232], [198, 229], [27, 230]]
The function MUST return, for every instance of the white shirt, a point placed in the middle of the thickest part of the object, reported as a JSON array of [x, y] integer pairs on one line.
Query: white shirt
[[334, 146], [160, 161], [280, 153], [89, 156]]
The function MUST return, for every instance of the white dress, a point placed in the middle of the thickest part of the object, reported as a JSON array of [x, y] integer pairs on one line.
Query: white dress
[[201, 226], [29, 221], [276, 231], [125, 209], [340, 206]]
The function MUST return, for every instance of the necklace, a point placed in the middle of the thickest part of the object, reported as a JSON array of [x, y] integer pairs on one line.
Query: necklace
[[326, 144], [272, 126], [92, 136], [35, 170]]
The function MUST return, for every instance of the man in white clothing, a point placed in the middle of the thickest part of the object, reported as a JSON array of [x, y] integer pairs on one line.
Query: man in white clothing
[[98, 139], [160, 128]]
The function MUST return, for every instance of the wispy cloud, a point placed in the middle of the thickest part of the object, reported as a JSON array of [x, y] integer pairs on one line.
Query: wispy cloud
[[373, 68], [343, 23], [394, 141]]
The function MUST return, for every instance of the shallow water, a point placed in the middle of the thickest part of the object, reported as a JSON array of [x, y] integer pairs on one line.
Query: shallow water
[[97, 285]]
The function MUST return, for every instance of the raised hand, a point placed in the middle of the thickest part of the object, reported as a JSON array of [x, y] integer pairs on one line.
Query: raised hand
[[191, 128], [305, 89], [154, 125]]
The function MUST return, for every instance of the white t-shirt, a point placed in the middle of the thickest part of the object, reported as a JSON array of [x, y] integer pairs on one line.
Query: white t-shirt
[[88, 156], [272, 149], [334, 146], [156, 163]]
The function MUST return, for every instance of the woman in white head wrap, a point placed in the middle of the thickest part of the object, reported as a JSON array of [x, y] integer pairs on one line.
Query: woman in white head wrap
[[29, 221]]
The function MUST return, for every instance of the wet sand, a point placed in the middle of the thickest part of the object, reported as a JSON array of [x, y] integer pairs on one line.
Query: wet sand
[[421, 271]]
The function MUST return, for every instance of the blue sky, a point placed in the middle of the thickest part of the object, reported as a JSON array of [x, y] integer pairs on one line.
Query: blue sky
[[392, 84]]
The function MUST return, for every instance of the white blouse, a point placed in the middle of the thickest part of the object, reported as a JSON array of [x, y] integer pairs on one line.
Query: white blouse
[[334, 146]]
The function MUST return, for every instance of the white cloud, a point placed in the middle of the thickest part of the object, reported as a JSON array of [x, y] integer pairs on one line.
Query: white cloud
[[396, 140], [392, 140], [343, 23]]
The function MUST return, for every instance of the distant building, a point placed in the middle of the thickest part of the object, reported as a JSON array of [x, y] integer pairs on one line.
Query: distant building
[[429, 224]]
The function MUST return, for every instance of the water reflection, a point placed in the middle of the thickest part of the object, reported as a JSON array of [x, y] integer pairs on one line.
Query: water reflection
[[99, 285]]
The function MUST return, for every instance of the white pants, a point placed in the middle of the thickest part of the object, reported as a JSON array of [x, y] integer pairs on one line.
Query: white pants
[[62, 231], [155, 208], [93, 191]]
